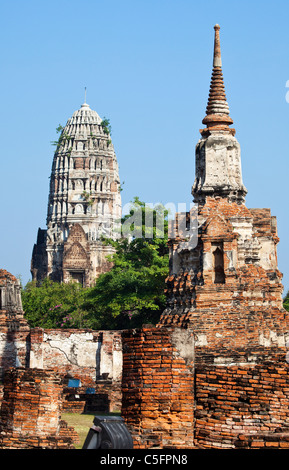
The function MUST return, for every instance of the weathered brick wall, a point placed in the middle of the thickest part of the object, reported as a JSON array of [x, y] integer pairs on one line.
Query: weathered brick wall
[[75, 353], [242, 406], [31, 410], [86, 355], [240, 356], [180, 396], [157, 387]]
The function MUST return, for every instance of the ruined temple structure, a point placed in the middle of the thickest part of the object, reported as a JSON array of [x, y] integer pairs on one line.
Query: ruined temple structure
[[11, 313], [84, 203], [14, 328], [31, 410], [228, 288], [214, 372], [92, 358], [46, 372]]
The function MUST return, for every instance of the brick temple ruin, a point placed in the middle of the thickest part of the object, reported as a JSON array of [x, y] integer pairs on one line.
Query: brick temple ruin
[[44, 373], [213, 373]]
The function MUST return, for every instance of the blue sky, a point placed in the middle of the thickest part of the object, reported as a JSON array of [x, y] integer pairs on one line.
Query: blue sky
[[147, 67]]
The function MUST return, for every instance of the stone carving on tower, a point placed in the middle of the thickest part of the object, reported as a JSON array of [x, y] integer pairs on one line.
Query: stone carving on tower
[[84, 203], [11, 312], [226, 287], [14, 328]]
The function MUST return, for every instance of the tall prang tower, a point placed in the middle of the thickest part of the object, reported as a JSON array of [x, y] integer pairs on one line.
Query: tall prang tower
[[226, 286], [84, 203]]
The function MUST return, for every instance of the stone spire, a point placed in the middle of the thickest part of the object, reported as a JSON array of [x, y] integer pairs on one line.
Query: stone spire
[[217, 112], [218, 154]]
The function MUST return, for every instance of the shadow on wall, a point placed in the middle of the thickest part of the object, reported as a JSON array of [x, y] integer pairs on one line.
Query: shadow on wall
[[10, 354], [85, 399]]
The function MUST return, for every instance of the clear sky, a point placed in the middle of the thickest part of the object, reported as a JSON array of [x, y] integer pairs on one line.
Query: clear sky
[[147, 67]]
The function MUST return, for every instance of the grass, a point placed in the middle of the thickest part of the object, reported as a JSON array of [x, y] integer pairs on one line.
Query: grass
[[81, 423]]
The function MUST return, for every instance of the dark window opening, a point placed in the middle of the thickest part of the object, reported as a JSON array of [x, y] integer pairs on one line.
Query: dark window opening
[[77, 276], [219, 266]]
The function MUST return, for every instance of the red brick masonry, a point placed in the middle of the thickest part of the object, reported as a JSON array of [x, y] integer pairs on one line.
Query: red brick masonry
[[157, 388], [31, 411], [242, 406], [174, 396]]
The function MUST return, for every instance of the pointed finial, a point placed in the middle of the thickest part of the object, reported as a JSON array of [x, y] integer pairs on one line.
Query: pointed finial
[[217, 113], [85, 105], [217, 48]]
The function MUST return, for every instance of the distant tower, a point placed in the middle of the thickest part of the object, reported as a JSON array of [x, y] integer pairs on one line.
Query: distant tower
[[84, 203]]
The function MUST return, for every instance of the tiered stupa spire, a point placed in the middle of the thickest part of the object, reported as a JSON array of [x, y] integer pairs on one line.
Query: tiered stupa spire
[[218, 154], [217, 112]]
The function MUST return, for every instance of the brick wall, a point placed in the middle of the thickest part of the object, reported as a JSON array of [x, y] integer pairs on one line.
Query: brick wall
[[228, 287], [31, 411], [158, 387], [181, 396], [76, 353], [242, 406], [86, 355]]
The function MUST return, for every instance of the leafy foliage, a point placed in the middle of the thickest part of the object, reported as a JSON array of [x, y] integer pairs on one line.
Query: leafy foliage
[[63, 138], [132, 292], [54, 305], [105, 124], [286, 302]]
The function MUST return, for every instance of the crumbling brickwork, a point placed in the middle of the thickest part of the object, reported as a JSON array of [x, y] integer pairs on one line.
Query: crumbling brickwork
[[157, 388], [242, 406], [245, 306], [203, 398], [31, 411], [94, 358], [76, 353]]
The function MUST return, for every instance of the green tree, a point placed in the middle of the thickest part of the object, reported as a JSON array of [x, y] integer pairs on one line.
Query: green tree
[[106, 126], [55, 305], [286, 302], [132, 292]]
